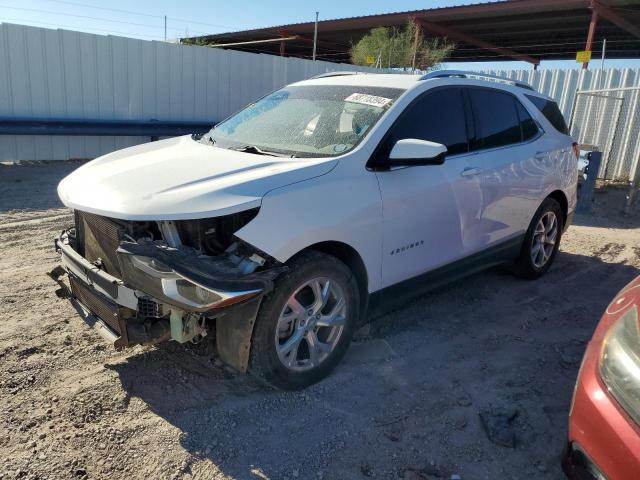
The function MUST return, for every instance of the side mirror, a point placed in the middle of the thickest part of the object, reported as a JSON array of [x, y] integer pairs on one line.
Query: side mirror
[[411, 151]]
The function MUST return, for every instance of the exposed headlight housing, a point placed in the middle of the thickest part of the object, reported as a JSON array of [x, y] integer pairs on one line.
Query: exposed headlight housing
[[162, 282], [620, 362]]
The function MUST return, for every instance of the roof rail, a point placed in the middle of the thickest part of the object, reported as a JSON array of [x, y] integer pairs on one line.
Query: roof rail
[[334, 74], [479, 75]]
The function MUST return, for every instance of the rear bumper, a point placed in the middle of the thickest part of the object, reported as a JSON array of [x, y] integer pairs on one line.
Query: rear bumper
[[603, 441]]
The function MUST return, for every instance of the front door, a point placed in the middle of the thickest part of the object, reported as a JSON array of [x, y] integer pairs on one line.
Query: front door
[[423, 206]]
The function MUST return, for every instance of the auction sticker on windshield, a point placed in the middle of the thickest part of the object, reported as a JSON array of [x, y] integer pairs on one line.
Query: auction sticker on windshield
[[365, 99]]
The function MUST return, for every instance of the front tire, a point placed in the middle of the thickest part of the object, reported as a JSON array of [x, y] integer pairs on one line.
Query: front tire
[[541, 241], [304, 326]]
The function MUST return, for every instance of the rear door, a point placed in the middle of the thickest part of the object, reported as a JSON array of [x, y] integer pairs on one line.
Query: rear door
[[561, 161], [507, 160]]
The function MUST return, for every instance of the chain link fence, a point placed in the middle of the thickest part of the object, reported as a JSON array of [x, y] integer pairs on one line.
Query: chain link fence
[[608, 121]]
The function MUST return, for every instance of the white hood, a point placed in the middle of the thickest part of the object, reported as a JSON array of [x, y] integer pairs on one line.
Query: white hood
[[180, 178]]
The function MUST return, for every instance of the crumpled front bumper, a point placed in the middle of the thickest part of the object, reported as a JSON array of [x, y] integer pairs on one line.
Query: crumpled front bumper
[[160, 276]]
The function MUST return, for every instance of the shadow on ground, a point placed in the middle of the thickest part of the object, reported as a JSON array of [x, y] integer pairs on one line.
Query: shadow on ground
[[484, 342]]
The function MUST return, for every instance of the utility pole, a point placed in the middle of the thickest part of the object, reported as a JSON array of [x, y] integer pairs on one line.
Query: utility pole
[[415, 48], [315, 37], [165, 28], [601, 82]]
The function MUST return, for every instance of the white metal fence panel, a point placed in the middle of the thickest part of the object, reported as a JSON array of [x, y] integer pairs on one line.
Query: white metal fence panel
[[64, 74], [624, 145], [72, 75]]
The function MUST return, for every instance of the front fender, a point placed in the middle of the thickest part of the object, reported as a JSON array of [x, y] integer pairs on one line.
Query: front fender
[[342, 206]]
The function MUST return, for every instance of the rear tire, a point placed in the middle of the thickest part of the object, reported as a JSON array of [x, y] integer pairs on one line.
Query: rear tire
[[305, 324], [541, 241]]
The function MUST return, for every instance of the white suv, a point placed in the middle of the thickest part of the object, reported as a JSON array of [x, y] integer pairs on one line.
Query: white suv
[[283, 226]]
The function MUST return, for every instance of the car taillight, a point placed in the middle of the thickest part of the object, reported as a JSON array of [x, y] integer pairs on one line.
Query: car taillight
[[576, 149]]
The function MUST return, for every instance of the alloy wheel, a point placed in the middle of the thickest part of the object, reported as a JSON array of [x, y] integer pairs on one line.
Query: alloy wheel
[[311, 324], [544, 239]]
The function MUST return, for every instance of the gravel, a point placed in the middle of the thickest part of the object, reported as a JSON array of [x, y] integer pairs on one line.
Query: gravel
[[405, 403]]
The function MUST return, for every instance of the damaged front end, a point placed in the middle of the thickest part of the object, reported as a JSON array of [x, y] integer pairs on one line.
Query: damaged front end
[[146, 282]]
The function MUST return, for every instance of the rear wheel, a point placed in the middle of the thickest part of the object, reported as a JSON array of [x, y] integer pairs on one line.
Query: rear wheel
[[305, 324], [541, 242]]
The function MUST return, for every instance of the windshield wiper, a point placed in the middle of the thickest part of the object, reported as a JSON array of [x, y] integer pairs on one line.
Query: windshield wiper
[[258, 151]]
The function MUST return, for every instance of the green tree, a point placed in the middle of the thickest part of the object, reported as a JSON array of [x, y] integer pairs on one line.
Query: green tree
[[196, 41], [400, 48]]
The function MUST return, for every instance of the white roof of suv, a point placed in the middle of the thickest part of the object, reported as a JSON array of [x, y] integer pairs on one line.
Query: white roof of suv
[[389, 80], [407, 81]]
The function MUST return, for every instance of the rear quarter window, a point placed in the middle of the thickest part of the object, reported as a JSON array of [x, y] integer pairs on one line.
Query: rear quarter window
[[528, 125], [551, 112]]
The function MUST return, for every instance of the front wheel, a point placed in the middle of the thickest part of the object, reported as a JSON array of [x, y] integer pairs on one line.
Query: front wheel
[[541, 241], [304, 326]]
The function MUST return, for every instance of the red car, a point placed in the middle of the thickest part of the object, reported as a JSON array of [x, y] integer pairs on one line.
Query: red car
[[604, 420]]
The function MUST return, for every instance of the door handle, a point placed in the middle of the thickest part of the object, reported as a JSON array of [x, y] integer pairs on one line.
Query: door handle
[[470, 171], [540, 156]]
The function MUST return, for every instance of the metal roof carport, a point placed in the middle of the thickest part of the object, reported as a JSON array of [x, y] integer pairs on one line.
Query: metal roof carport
[[529, 30]]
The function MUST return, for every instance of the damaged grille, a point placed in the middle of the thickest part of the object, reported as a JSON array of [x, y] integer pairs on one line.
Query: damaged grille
[[148, 308], [98, 304], [98, 239]]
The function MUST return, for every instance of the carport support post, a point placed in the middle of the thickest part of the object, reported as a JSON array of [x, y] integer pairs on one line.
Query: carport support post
[[586, 192], [283, 42], [315, 37], [633, 187], [590, 35], [630, 198]]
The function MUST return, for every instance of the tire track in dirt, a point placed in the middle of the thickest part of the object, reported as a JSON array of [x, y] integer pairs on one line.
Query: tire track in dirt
[[58, 219], [610, 251]]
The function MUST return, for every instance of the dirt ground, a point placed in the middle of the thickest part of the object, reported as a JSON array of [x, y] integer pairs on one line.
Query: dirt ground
[[404, 404]]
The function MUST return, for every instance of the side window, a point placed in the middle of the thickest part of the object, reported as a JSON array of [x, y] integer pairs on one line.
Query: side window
[[496, 118], [528, 125], [438, 116], [551, 111]]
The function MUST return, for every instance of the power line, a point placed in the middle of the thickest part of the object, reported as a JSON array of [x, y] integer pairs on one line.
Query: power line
[[106, 8], [147, 25], [141, 37], [139, 13]]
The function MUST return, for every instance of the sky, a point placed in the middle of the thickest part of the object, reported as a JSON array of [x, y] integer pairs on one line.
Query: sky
[[144, 19]]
